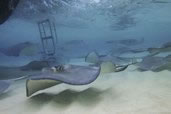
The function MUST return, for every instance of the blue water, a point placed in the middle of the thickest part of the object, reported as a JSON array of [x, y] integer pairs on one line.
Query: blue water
[[121, 31]]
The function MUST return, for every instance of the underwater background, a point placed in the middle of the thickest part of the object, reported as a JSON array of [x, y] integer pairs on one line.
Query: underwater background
[[108, 33], [90, 20]]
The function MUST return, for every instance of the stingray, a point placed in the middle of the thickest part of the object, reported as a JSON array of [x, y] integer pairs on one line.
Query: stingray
[[109, 67], [130, 42], [164, 48], [16, 72], [126, 42], [119, 50], [16, 49], [168, 58], [134, 54], [69, 74], [74, 48], [31, 50], [154, 64], [95, 58]]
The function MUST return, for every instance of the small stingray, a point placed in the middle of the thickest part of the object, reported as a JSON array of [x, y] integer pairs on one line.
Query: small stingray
[[164, 48], [16, 72], [92, 57], [168, 58], [154, 64], [69, 74], [16, 49], [74, 48], [126, 42], [31, 50], [109, 67], [166, 45], [95, 58]]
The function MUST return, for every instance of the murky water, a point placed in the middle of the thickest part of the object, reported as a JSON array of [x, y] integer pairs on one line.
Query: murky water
[[130, 40]]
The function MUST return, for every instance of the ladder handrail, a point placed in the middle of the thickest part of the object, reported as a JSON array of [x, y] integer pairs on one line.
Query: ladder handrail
[[45, 38]]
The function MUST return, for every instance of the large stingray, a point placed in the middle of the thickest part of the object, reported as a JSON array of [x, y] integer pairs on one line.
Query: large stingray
[[69, 74]]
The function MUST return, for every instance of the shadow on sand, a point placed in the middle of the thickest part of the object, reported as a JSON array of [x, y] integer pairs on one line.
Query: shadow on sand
[[5, 95], [87, 98]]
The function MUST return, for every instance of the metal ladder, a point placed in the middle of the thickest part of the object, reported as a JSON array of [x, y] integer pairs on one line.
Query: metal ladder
[[48, 38]]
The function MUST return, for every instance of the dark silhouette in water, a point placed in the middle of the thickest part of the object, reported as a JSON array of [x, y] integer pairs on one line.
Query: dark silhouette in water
[[16, 72], [126, 42], [166, 47], [131, 41], [6, 9], [159, 1], [16, 49]]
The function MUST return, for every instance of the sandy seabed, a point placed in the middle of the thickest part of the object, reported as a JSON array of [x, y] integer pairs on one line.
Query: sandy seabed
[[127, 92]]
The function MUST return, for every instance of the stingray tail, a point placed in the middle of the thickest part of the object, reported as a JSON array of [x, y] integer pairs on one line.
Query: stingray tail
[[121, 68], [20, 78]]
